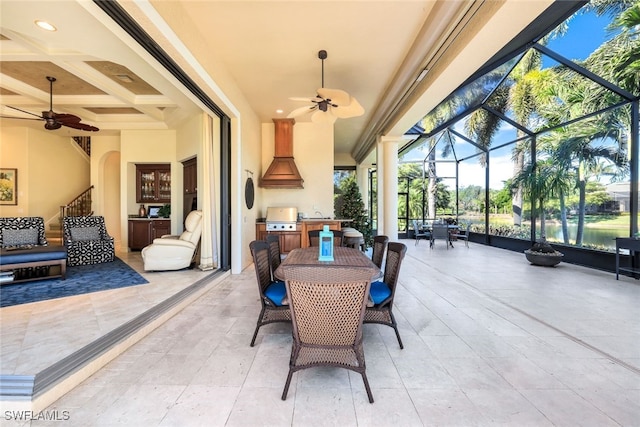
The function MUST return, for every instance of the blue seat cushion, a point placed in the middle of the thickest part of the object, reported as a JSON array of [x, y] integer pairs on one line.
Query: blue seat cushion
[[379, 292], [276, 292]]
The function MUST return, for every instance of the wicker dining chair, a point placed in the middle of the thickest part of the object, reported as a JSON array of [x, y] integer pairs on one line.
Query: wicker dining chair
[[379, 246], [314, 237], [382, 293], [274, 253], [272, 294], [327, 310]]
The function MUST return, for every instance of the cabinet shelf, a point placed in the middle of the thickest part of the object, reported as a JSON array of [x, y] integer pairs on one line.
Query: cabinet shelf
[[153, 183]]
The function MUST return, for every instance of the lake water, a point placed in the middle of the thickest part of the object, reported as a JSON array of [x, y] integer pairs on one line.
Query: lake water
[[604, 237]]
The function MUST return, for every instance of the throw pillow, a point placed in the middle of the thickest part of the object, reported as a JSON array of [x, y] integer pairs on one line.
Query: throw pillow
[[85, 233], [24, 236]]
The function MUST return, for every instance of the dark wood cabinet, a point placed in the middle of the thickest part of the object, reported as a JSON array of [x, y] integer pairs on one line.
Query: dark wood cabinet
[[143, 231], [153, 183], [289, 240], [308, 225], [190, 186], [190, 176]]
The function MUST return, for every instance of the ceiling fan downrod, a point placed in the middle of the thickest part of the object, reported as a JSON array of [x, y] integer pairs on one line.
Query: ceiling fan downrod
[[322, 55], [51, 80]]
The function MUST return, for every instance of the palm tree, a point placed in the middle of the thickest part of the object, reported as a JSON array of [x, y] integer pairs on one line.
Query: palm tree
[[539, 182], [583, 146]]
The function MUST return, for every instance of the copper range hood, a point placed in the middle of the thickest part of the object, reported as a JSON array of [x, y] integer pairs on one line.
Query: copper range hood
[[282, 172]]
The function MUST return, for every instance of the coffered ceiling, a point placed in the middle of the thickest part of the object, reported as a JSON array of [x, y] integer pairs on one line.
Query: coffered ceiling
[[397, 58]]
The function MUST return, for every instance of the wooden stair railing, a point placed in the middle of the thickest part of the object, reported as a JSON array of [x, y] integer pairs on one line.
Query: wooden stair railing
[[84, 142], [80, 206]]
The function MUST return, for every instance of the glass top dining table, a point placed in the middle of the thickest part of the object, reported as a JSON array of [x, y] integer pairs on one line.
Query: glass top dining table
[[343, 257]]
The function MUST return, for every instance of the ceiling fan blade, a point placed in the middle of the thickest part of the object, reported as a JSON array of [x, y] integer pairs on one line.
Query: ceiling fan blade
[[66, 118], [309, 99], [323, 117], [26, 112], [19, 118], [73, 121], [337, 96], [80, 126], [302, 110], [352, 110]]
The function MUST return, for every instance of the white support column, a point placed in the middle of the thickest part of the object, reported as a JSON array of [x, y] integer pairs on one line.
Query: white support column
[[362, 176], [387, 167]]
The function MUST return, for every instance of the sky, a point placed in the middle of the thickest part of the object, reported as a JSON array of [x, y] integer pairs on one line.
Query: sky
[[586, 32]]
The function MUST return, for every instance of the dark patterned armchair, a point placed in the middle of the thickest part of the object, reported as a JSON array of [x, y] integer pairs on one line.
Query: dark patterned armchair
[[87, 240], [21, 231]]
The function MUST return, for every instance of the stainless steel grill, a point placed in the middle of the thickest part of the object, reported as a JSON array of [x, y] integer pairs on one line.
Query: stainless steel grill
[[281, 219]]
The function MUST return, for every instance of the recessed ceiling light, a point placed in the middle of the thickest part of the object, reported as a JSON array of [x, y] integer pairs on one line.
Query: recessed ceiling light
[[45, 25], [279, 111]]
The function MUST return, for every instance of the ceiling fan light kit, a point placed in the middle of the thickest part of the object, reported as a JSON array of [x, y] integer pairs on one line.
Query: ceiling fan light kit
[[54, 120], [329, 104]]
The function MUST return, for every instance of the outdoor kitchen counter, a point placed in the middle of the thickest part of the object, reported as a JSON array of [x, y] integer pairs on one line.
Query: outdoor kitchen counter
[[330, 220], [298, 238]]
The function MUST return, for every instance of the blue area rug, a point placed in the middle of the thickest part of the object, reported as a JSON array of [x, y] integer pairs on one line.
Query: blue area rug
[[81, 279]]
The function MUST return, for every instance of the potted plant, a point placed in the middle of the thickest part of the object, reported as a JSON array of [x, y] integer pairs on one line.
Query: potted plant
[[539, 181], [165, 211]]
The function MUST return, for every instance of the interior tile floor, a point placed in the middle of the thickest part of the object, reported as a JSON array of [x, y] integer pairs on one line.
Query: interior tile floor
[[489, 341]]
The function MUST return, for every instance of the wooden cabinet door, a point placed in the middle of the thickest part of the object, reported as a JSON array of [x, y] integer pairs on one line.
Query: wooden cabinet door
[[190, 176], [290, 241], [139, 232], [159, 228], [261, 232]]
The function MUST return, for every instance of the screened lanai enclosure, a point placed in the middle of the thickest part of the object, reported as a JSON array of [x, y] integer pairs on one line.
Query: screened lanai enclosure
[[541, 143]]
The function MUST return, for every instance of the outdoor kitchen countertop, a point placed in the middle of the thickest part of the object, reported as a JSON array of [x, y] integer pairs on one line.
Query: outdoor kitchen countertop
[[263, 220]]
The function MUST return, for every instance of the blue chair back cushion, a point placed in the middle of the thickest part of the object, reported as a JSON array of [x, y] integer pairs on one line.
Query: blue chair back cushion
[[276, 292], [379, 292]]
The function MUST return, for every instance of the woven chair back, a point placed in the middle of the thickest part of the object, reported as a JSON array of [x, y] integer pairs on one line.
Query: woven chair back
[[327, 305], [274, 252], [395, 254], [261, 261], [379, 246]]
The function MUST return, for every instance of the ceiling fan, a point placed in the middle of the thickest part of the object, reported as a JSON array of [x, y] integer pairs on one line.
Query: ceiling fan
[[329, 104], [54, 120]]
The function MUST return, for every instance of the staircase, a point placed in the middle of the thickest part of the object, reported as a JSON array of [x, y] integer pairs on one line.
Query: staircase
[[79, 206]]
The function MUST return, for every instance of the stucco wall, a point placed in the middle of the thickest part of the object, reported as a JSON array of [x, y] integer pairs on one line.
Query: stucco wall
[[313, 154], [157, 146], [52, 170]]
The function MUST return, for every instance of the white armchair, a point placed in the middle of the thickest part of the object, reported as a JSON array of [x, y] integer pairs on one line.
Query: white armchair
[[174, 252]]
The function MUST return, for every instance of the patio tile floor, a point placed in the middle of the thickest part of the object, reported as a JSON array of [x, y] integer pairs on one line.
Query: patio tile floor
[[489, 340]]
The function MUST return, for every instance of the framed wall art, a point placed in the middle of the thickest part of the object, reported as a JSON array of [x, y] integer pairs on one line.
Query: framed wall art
[[8, 186]]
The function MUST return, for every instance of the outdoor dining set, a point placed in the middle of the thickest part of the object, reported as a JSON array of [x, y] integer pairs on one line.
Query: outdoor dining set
[[440, 230], [327, 302]]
